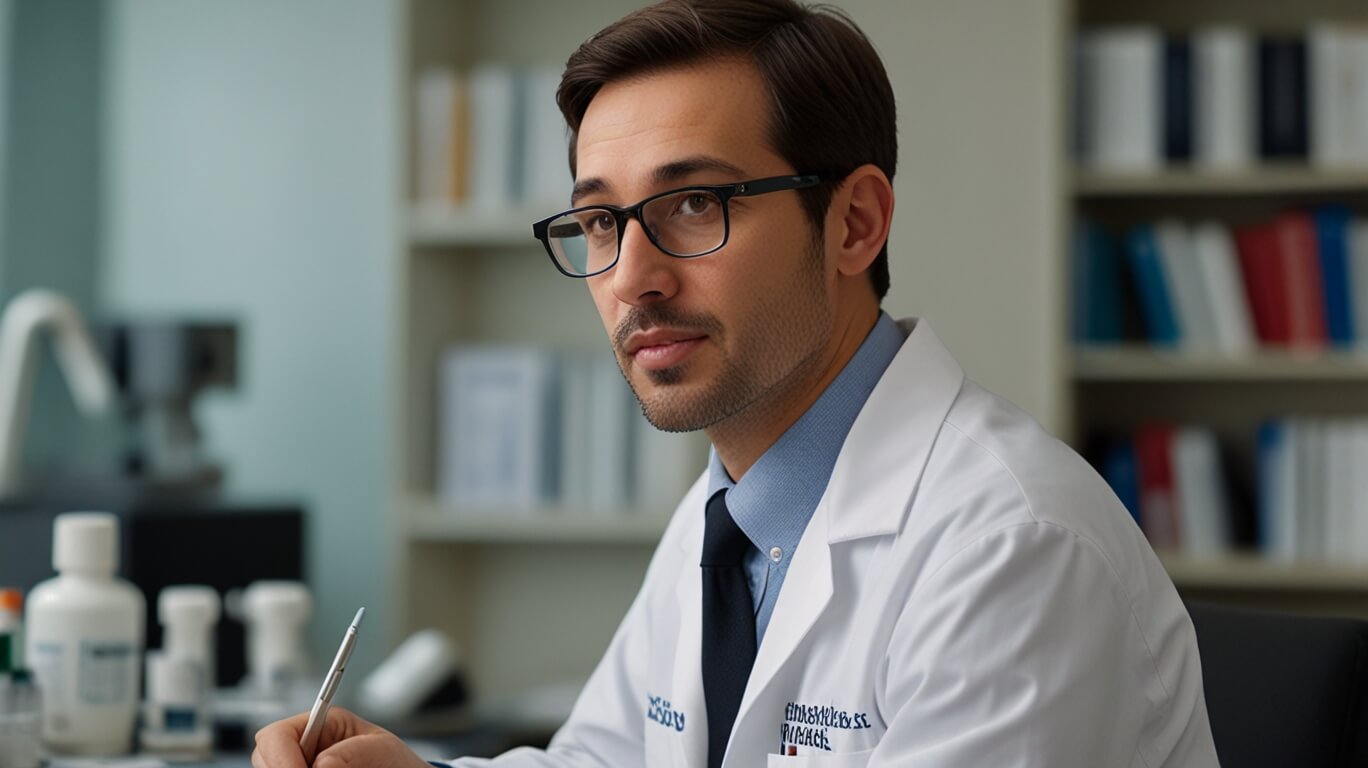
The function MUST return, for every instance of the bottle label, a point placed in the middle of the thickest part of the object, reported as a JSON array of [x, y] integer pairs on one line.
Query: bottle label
[[107, 671]]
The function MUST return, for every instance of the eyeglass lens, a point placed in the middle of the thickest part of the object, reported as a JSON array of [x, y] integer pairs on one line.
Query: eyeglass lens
[[687, 223]]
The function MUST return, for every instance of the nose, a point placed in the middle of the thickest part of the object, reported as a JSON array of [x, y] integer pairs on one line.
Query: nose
[[644, 274]]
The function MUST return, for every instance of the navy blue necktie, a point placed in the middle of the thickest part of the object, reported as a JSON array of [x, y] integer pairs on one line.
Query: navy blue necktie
[[728, 624]]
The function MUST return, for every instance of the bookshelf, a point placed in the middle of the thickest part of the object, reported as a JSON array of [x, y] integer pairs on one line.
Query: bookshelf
[[531, 595], [1116, 388], [1276, 181]]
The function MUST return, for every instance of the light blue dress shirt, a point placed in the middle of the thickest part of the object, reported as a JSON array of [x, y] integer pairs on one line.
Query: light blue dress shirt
[[776, 498]]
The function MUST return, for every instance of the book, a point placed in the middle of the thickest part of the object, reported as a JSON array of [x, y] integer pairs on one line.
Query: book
[[1332, 244], [496, 403], [1358, 277], [1225, 293], [1282, 98], [1357, 533], [667, 464], [440, 137], [1309, 451], [1097, 315], [1177, 107], [1339, 95], [1223, 98], [1262, 266], [1332, 95], [1185, 283], [495, 137], [1120, 84], [1356, 51], [1159, 512], [1277, 492], [1199, 487], [1338, 502], [574, 458], [1121, 470], [1301, 273], [1151, 285], [546, 178], [612, 446]]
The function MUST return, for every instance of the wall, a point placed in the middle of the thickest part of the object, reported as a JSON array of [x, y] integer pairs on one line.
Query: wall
[[253, 173], [6, 53], [49, 207]]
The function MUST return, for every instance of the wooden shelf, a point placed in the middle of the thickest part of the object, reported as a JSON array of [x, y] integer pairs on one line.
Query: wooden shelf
[[1269, 181], [437, 225], [431, 520], [1132, 363], [1257, 574]]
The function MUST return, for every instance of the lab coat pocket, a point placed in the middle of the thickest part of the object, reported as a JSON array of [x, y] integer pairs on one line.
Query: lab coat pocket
[[821, 760]]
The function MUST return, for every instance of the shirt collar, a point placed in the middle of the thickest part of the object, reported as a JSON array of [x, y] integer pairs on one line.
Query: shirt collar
[[775, 499]]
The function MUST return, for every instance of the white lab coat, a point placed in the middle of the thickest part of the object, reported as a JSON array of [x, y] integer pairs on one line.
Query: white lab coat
[[968, 593]]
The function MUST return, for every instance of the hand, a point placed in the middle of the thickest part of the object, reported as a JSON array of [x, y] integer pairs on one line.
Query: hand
[[346, 740]]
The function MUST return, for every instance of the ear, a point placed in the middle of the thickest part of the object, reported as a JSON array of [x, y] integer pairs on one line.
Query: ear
[[860, 215]]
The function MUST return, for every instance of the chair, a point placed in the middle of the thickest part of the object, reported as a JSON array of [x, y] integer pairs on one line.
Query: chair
[[1284, 690]]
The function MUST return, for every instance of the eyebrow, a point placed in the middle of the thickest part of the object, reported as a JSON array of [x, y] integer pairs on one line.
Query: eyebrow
[[664, 174]]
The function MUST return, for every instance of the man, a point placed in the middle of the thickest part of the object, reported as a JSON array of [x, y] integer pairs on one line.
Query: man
[[885, 565]]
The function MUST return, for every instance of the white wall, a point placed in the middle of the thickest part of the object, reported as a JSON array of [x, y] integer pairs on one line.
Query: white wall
[[977, 233], [253, 173]]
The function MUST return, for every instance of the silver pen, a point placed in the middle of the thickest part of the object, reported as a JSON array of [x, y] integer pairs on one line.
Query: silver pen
[[308, 742]]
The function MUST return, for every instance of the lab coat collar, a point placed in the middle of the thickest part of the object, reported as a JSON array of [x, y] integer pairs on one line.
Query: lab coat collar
[[881, 463]]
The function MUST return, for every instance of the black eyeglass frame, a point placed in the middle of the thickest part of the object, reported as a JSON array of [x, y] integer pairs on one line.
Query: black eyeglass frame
[[724, 192]]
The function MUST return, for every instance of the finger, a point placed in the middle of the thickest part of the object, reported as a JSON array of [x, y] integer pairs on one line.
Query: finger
[[377, 749], [277, 745]]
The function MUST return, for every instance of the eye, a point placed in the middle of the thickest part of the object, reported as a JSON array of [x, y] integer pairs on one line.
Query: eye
[[598, 223], [695, 204]]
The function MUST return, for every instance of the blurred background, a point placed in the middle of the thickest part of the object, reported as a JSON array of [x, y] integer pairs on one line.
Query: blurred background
[[300, 233]]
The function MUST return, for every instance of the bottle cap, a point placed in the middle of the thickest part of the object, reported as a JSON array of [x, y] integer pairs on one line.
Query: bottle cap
[[11, 600], [274, 602], [191, 604], [86, 542]]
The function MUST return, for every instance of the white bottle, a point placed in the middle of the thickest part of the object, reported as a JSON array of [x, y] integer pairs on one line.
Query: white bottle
[[277, 614], [84, 640], [176, 721], [189, 616]]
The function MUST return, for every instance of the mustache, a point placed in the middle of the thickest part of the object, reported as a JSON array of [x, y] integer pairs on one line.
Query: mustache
[[663, 315]]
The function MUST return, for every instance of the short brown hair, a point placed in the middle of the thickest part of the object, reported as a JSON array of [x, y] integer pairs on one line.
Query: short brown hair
[[831, 105]]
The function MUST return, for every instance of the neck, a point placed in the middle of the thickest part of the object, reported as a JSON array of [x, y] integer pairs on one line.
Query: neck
[[742, 439]]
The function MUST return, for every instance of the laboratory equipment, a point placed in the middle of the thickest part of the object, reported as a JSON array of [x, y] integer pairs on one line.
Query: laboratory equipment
[[27, 314]]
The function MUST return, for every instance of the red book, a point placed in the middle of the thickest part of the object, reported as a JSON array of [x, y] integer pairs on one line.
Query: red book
[[1261, 266], [1159, 513], [1298, 249]]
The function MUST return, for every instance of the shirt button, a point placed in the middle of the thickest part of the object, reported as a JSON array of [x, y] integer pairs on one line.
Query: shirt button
[[776, 554]]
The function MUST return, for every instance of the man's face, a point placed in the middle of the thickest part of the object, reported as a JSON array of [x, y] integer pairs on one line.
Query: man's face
[[701, 340]]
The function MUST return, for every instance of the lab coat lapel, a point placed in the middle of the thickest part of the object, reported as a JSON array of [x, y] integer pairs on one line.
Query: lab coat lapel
[[880, 466], [807, 592], [687, 685], [871, 488]]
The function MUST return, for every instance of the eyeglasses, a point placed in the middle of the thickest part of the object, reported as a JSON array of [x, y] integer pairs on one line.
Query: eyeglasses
[[684, 223]]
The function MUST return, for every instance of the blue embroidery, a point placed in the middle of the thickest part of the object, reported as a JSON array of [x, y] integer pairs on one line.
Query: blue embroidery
[[658, 709]]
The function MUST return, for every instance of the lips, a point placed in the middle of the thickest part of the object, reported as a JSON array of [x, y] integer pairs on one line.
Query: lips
[[662, 348]]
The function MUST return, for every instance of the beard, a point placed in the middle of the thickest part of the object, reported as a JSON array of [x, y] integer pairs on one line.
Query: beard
[[779, 336]]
